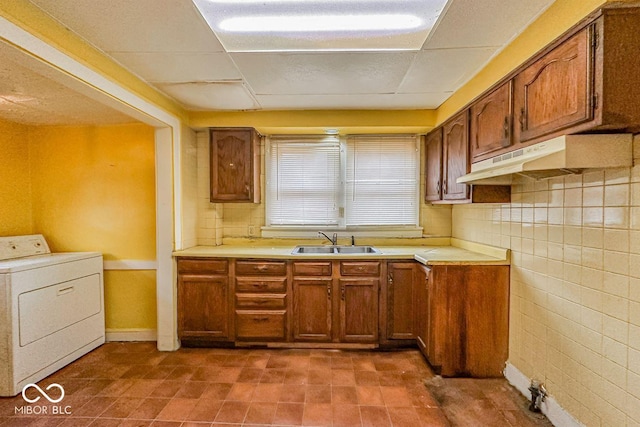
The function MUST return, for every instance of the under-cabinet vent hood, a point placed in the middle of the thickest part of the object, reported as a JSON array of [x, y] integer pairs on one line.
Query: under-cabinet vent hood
[[558, 156]]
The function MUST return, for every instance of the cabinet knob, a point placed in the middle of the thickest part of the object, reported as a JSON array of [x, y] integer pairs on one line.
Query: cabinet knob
[[505, 127], [390, 279], [329, 291]]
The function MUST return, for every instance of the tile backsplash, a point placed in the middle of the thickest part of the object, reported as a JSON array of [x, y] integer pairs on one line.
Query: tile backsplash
[[575, 286]]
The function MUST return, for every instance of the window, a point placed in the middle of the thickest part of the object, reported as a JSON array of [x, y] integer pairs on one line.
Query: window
[[359, 182]]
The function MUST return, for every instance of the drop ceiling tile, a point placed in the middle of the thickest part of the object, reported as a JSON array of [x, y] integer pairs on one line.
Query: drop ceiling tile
[[211, 96], [179, 67], [364, 101], [136, 26], [444, 70], [323, 73], [473, 23]]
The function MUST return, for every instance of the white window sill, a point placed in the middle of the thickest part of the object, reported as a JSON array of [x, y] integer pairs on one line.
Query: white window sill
[[312, 232]]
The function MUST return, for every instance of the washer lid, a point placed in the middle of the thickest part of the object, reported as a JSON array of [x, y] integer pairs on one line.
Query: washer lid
[[12, 247]]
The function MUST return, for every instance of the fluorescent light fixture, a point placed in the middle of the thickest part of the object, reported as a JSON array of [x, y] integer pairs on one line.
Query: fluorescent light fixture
[[320, 25]]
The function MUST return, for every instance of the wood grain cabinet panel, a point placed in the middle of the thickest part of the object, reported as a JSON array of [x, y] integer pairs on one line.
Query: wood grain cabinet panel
[[468, 320], [490, 128], [312, 309], [234, 165], [556, 92], [256, 325], [204, 304], [359, 310], [401, 301], [433, 162], [455, 156]]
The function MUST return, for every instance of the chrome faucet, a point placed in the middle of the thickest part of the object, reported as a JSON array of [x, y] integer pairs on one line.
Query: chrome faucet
[[334, 240]]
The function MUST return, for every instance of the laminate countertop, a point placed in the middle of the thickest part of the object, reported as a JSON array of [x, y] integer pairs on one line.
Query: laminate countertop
[[458, 252]]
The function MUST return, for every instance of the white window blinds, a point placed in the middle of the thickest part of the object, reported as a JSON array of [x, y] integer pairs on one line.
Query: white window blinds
[[303, 181], [382, 180]]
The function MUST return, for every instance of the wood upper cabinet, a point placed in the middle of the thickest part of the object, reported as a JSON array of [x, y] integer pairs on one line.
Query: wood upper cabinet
[[235, 165], [433, 163], [455, 156], [204, 301], [556, 91], [490, 128], [401, 301]]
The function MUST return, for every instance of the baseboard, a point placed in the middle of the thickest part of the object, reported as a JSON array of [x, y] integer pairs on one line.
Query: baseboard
[[558, 416], [131, 335]]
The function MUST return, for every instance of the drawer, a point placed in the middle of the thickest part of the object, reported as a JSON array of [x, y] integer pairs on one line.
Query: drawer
[[360, 268], [261, 285], [254, 325], [261, 301], [261, 268], [312, 268], [203, 266]]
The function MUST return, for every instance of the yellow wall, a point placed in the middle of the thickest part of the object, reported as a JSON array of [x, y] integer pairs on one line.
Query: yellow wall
[[93, 189], [15, 188]]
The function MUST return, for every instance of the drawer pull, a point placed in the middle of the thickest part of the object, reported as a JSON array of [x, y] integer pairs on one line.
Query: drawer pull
[[259, 285], [65, 291], [262, 267], [260, 319]]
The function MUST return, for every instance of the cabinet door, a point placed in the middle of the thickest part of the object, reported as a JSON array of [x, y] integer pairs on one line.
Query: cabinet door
[[455, 159], [422, 311], [234, 165], [433, 162], [359, 310], [204, 307], [312, 309], [401, 300], [491, 123], [556, 91]]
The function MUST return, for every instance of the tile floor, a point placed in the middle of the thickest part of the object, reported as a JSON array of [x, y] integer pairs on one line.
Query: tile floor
[[134, 385]]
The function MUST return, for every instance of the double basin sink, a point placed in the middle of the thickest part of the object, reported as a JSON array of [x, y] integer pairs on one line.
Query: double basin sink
[[325, 249]]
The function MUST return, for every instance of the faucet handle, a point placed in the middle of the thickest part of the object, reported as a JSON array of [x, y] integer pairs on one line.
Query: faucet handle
[[335, 238]]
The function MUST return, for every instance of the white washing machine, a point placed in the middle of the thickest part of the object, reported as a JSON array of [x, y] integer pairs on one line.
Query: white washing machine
[[51, 309]]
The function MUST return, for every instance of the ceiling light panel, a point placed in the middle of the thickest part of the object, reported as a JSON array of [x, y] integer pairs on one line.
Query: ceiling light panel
[[320, 25]]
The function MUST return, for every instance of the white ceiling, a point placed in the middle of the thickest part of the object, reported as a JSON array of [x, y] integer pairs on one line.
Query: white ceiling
[[169, 44]]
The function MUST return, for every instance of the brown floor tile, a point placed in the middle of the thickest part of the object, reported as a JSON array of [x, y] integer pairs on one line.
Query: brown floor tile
[[293, 393], [318, 394], [250, 375], [317, 414], [267, 392], [289, 414], [344, 395], [134, 385], [205, 411], [242, 392], [232, 412], [396, 396], [261, 413], [375, 416], [346, 415], [177, 410], [121, 408], [192, 390], [149, 409], [369, 395]]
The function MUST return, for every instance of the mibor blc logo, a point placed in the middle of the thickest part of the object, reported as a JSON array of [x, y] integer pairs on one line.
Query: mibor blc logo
[[54, 394]]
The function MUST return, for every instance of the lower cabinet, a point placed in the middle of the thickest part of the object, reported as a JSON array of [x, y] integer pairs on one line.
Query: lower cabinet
[[331, 303], [204, 300], [467, 318], [456, 314]]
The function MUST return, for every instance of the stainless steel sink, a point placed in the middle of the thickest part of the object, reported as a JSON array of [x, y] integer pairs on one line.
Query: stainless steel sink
[[313, 250], [357, 250], [322, 249]]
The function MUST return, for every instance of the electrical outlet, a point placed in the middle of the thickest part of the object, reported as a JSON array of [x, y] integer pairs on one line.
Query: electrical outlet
[[252, 230]]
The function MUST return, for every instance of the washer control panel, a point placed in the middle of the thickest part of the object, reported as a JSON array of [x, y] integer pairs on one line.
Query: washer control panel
[[22, 246]]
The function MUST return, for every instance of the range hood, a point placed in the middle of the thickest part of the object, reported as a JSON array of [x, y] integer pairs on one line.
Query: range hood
[[558, 156]]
